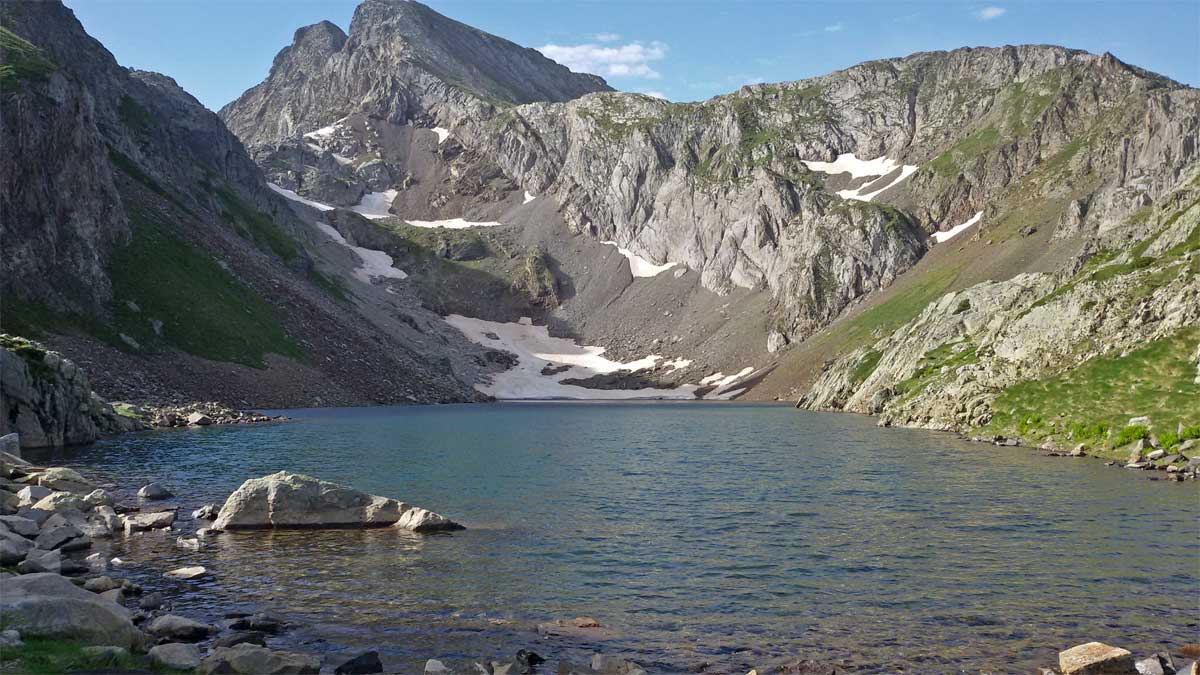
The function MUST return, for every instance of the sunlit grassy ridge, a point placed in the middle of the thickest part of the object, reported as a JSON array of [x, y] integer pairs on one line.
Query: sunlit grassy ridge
[[1094, 402]]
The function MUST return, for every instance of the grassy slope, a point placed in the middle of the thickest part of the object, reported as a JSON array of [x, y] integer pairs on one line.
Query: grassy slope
[[1094, 402], [204, 309], [23, 62]]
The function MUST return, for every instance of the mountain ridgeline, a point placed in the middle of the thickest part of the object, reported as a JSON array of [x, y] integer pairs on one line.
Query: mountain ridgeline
[[935, 238]]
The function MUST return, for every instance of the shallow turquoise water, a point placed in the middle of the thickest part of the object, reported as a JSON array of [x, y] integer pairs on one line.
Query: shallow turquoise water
[[733, 534]]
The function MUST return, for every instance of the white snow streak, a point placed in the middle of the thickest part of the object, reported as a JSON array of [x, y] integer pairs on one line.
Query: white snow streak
[[452, 224], [375, 204], [528, 197], [297, 198], [373, 263], [442, 134], [861, 168], [639, 266], [940, 237], [857, 168], [535, 349]]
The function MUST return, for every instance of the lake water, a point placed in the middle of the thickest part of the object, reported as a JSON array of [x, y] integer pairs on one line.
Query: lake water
[[733, 534]]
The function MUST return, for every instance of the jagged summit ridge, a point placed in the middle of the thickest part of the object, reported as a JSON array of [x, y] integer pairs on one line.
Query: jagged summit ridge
[[399, 57]]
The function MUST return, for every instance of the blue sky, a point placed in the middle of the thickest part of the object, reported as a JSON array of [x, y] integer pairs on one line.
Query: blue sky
[[683, 49]]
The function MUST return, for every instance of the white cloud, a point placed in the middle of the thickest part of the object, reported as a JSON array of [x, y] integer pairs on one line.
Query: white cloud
[[630, 60], [607, 37], [834, 28], [655, 93], [989, 13]]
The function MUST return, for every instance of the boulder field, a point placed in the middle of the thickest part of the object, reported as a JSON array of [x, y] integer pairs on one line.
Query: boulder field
[[50, 517]]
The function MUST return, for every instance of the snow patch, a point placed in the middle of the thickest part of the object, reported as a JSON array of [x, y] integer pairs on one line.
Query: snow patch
[[442, 134], [326, 132], [535, 350], [862, 168], [342, 160], [721, 383], [639, 266], [858, 194], [857, 168], [375, 204], [373, 263], [297, 198], [940, 237], [677, 364], [528, 197], [452, 224]]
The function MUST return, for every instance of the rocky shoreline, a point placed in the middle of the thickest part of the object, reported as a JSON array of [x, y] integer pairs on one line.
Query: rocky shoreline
[[1144, 455], [55, 590]]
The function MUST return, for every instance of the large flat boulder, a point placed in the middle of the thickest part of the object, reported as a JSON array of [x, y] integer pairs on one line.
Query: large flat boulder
[[248, 659], [49, 605], [1096, 658], [289, 500]]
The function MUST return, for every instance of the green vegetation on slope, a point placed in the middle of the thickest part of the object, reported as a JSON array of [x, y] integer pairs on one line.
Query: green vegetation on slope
[[204, 310], [133, 115], [254, 224], [1094, 402], [948, 356], [22, 62], [965, 151]]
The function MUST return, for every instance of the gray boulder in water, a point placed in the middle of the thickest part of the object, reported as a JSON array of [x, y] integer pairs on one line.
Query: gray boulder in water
[[289, 500]]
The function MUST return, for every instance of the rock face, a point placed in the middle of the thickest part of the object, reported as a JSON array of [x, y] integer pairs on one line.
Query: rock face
[[108, 164], [946, 367], [49, 605], [425, 53], [48, 401], [288, 500]]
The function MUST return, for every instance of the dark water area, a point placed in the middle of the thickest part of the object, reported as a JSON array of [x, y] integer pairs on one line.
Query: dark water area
[[735, 534]]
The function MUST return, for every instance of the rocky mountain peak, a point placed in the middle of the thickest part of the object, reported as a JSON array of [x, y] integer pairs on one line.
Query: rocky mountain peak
[[464, 56], [401, 61], [325, 38]]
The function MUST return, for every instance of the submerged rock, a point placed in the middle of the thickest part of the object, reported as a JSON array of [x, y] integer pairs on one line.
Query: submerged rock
[[187, 573], [363, 664], [288, 500], [154, 491]]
